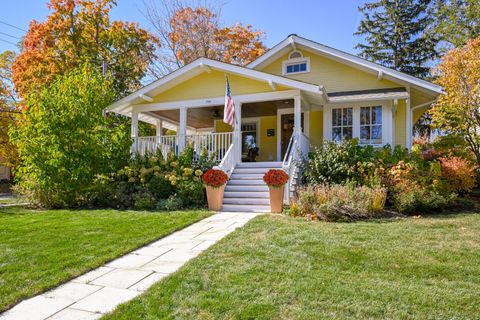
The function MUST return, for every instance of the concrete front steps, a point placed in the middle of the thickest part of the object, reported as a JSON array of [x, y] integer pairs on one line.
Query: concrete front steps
[[246, 191]]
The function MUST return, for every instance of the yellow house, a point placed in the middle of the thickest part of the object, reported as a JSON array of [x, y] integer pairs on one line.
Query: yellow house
[[288, 100]]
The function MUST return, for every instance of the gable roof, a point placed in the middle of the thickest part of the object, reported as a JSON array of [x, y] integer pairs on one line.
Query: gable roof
[[205, 65], [292, 41]]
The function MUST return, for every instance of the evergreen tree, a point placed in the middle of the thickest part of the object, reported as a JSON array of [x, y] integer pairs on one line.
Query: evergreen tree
[[456, 22], [396, 35]]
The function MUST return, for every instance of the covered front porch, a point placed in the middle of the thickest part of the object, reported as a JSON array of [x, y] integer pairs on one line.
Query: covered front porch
[[266, 124]]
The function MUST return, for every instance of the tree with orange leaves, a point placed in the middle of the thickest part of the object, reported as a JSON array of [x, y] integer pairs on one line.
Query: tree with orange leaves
[[188, 32], [457, 111], [80, 31], [9, 109]]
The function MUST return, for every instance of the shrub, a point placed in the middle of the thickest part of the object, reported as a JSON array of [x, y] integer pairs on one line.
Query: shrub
[[459, 174], [340, 163], [148, 181], [215, 178], [410, 200], [65, 141], [144, 200], [192, 193], [337, 202], [275, 178], [173, 203], [160, 187]]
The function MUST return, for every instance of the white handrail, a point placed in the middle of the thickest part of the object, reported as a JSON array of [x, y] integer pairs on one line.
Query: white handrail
[[298, 147], [228, 162]]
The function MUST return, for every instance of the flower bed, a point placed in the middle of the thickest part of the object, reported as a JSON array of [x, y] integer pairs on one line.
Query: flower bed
[[152, 182], [428, 179]]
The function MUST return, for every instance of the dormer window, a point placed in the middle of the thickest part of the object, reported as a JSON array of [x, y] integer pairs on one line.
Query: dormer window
[[296, 63]]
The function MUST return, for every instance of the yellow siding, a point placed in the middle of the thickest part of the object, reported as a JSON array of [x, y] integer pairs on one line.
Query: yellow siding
[[400, 124], [268, 145], [208, 85], [316, 128], [417, 113], [333, 75]]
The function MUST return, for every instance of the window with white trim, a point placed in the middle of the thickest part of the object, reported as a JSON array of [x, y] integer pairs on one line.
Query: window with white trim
[[371, 125], [342, 124], [296, 63]]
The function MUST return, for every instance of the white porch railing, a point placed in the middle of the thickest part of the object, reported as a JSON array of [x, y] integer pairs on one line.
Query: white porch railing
[[298, 148], [153, 144], [216, 144]]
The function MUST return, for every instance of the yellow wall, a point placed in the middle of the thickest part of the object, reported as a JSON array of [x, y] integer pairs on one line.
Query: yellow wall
[[316, 128], [400, 124], [208, 85], [333, 75], [268, 145]]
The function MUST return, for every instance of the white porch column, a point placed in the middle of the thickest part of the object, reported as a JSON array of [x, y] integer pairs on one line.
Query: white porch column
[[182, 129], [159, 127], [134, 131], [237, 132], [297, 114]]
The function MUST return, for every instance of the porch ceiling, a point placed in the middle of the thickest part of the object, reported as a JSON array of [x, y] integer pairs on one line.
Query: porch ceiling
[[202, 118]]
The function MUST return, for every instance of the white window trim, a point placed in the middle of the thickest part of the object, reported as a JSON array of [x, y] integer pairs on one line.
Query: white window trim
[[387, 120], [285, 63]]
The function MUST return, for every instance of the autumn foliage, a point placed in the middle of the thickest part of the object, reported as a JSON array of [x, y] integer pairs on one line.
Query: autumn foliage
[[459, 174], [194, 33], [215, 178], [275, 178], [77, 32], [457, 111]]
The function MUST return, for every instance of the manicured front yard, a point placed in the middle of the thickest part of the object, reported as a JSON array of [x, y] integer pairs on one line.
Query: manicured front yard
[[283, 268], [41, 249]]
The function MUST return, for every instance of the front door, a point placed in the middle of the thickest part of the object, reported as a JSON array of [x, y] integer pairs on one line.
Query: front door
[[287, 124]]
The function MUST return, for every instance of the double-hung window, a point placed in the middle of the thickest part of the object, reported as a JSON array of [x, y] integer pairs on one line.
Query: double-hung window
[[362, 122], [371, 125], [342, 124]]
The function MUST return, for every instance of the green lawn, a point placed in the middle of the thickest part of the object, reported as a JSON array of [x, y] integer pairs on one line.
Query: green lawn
[[283, 268], [41, 249]]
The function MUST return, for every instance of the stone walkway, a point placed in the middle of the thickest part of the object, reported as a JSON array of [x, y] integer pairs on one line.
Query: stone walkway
[[101, 290]]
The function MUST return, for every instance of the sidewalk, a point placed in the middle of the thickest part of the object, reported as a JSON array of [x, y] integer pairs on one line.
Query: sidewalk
[[101, 290]]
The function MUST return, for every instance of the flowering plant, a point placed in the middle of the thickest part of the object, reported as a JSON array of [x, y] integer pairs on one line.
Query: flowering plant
[[275, 178], [214, 178]]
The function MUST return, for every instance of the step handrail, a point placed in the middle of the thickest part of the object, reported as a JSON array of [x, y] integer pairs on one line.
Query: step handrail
[[228, 162]]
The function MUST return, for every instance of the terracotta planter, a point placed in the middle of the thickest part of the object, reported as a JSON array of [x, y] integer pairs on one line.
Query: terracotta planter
[[276, 199], [215, 197]]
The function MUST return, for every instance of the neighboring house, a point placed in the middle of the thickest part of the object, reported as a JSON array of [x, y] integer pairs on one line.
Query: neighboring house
[[291, 98]]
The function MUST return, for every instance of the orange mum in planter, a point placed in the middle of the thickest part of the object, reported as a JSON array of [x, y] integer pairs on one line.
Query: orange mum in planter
[[214, 178], [275, 178]]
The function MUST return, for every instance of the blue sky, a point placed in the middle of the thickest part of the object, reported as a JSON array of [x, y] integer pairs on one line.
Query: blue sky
[[331, 22]]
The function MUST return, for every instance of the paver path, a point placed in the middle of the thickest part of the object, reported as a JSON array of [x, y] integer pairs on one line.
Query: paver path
[[101, 290]]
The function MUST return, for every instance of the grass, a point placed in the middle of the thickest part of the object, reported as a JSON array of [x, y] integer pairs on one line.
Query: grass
[[278, 267], [42, 249]]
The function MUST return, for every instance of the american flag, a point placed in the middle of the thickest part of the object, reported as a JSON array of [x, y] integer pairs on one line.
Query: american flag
[[229, 111]]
